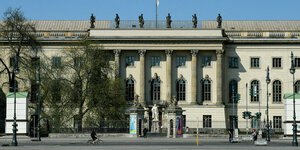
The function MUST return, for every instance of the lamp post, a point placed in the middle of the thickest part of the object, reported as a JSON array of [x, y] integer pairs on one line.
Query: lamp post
[[292, 71], [15, 70], [268, 80], [36, 59]]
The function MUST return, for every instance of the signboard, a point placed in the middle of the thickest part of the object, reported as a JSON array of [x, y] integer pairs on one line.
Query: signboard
[[178, 125], [132, 124]]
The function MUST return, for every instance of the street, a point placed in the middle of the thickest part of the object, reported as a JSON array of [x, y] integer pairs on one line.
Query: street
[[116, 143]]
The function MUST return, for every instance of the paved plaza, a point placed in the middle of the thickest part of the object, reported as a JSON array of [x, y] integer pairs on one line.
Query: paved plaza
[[116, 143]]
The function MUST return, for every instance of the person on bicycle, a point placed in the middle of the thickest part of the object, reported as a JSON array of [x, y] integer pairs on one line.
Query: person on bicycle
[[94, 136]]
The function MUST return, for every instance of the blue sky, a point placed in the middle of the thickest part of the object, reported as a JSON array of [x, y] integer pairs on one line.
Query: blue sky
[[179, 9]]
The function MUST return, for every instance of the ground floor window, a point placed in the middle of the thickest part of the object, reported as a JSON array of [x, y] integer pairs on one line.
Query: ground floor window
[[277, 122], [206, 121]]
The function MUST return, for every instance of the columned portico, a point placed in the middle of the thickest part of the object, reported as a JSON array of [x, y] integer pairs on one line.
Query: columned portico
[[219, 81], [142, 76], [169, 75], [117, 53], [194, 77]]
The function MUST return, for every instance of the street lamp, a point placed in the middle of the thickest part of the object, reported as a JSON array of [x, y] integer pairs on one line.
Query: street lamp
[[268, 80], [292, 71], [15, 70], [36, 59]]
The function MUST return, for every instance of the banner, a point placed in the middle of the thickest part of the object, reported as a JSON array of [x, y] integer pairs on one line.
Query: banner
[[178, 125], [132, 124]]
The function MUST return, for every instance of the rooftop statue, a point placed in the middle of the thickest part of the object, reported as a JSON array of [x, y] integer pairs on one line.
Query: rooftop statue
[[195, 21], [174, 101], [169, 21], [117, 20], [92, 21], [154, 113], [141, 20], [219, 20]]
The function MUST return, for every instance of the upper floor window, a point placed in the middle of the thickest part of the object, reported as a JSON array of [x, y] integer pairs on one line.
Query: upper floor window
[[155, 88], [129, 90], [233, 62], [297, 87], [78, 61], [233, 90], [297, 62], [56, 61], [11, 61], [206, 90], [255, 91], [181, 61], [254, 62], [129, 60], [276, 91], [180, 89], [155, 61], [206, 61], [276, 62]]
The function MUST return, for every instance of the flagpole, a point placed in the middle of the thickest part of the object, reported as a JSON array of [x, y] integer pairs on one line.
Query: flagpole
[[156, 15]]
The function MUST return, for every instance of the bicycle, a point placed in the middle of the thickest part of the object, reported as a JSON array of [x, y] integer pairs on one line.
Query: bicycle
[[98, 141]]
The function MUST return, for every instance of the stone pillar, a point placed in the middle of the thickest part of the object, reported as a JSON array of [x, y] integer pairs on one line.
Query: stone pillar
[[219, 81], [142, 76], [169, 76], [117, 53], [194, 77]]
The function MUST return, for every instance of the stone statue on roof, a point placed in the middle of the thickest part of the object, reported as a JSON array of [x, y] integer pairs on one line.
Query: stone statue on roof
[[92, 21], [169, 21], [195, 21], [174, 101], [117, 20], [141, 20], [219, 20]]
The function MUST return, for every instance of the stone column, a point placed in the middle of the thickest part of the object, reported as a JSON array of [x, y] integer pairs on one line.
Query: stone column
[[142, 76], [169, 76], [117, 53], [194, 77], [219, 81]]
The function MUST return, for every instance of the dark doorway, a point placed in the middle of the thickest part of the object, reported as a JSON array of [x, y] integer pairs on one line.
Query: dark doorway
[[171, 127], [140, 127]]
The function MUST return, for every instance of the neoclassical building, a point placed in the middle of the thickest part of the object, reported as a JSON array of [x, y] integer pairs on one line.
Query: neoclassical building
[[210, 70]]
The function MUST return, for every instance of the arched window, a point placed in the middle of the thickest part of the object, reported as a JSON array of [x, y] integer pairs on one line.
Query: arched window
[[233, 90], [155, 88], [129, 90], [206, 90], [255, 91], [277, 91], [180, 89], [297, 87]]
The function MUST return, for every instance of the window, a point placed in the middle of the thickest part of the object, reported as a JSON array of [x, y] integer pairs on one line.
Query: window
[[254, 62], [77, 62], [206, 121], [297, 87], [180, 88], [255, 91], [155, 89], [11, 61], [233, 90], [155, 61], [297, 62], [206, 61], [55, 91], [276, 91], [56, 61], [277, 122], [129, 90], [276, 62], [206, 90], [129, 60], [233, 62], [181, 61]]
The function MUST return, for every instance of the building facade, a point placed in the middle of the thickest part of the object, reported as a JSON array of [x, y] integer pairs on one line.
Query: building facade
[[210, 70]]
